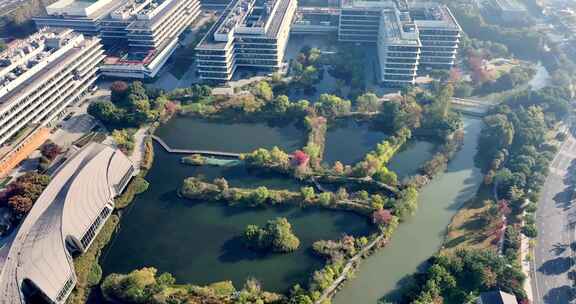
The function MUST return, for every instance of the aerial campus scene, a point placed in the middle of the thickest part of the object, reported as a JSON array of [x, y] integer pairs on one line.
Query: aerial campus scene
[[287, 151]]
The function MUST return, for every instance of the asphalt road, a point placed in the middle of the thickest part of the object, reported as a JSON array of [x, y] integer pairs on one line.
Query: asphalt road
[[555, 244]]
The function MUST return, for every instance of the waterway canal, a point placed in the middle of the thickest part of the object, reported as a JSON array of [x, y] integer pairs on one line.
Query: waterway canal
[[421, 236]]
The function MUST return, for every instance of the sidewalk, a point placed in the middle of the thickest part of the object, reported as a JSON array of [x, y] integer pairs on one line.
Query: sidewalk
[[526, 265]]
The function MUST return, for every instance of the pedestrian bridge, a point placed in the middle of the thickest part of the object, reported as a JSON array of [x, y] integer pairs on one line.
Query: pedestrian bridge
[[168, 149]]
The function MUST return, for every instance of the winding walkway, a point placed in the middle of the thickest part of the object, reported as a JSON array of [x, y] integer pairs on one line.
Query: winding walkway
[[188, 151]]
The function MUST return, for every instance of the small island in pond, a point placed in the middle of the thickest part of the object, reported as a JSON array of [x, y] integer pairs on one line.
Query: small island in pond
[[275, 236]]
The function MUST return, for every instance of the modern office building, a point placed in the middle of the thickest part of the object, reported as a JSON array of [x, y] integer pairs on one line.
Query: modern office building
[[510, 10], [409, 37], [42, 75], [249, 34], [139, 35], [36, 260], [360, 21], [398, 48], [439, 34]]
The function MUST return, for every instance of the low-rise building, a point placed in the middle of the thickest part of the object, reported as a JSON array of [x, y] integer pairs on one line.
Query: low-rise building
[[496, 297], [510, 10], [250, 34], [36, 259], [42, 75]]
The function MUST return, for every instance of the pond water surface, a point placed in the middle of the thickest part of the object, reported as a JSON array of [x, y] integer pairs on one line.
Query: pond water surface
[[198, 242], [349, 141], [420, 236]]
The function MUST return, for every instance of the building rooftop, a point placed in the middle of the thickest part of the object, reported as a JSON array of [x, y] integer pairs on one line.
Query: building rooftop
[[78, 191], [497, 297], [245, 17], [83, 8], [28, 63], [431, 14], [348, 4], [510, 5], [399, 29]]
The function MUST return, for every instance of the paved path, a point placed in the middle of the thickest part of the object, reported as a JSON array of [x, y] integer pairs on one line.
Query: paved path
[[553, 255], [200, 152]]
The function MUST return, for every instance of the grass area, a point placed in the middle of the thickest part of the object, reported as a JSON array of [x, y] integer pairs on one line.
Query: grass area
[[136, 186], [468, 228], [87, 268]]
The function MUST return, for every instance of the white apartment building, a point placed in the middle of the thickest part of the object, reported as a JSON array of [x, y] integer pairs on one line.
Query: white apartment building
[[439, 33], [251, 34], [42, 75], [139, 35], [398, 48]]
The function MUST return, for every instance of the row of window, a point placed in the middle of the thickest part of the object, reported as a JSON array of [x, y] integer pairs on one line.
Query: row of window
[[91, 233], [66, 288]]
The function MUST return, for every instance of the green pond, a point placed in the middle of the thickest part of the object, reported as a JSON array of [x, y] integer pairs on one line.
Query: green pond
[[198, 242], [188, 133], [350, 140]]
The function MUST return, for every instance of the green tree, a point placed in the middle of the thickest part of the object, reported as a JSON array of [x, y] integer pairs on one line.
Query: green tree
[[260, 195], [325, 198], [308, 194], [368, 102]]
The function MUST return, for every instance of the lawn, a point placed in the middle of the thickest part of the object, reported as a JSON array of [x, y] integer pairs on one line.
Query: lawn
[[468, 226]]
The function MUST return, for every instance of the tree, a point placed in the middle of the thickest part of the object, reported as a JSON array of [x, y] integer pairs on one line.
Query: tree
[[260, 195], [377, 201], [308, 194], [386, 176], [325, 198], [50, 150], [275, 236], [497, 134], [21, 205], [263, 91], [280, 104], [221, 183], [118, 91], [368, 102], [124, 139], [341, 194], [332, 105], [381, 217], [338, 168], [300, 158]]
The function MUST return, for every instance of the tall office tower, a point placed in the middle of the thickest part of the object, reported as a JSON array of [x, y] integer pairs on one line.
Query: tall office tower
[[249, 34], [439, 33], [42, 75], [398, 48]]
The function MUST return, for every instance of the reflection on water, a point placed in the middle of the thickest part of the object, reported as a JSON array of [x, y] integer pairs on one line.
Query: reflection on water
[[198, 242], [420, 236]]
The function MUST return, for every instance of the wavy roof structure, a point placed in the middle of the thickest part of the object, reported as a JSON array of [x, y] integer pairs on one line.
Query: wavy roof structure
[[64, 220]]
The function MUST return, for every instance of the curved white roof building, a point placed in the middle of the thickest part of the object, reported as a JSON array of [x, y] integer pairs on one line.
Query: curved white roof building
[[37, 259]]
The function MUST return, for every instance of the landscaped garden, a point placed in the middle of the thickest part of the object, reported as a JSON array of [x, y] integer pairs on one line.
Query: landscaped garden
[[228, 220]]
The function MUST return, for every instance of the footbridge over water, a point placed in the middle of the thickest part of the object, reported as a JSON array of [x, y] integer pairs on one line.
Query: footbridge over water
[[168, 149], [471, 107]]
